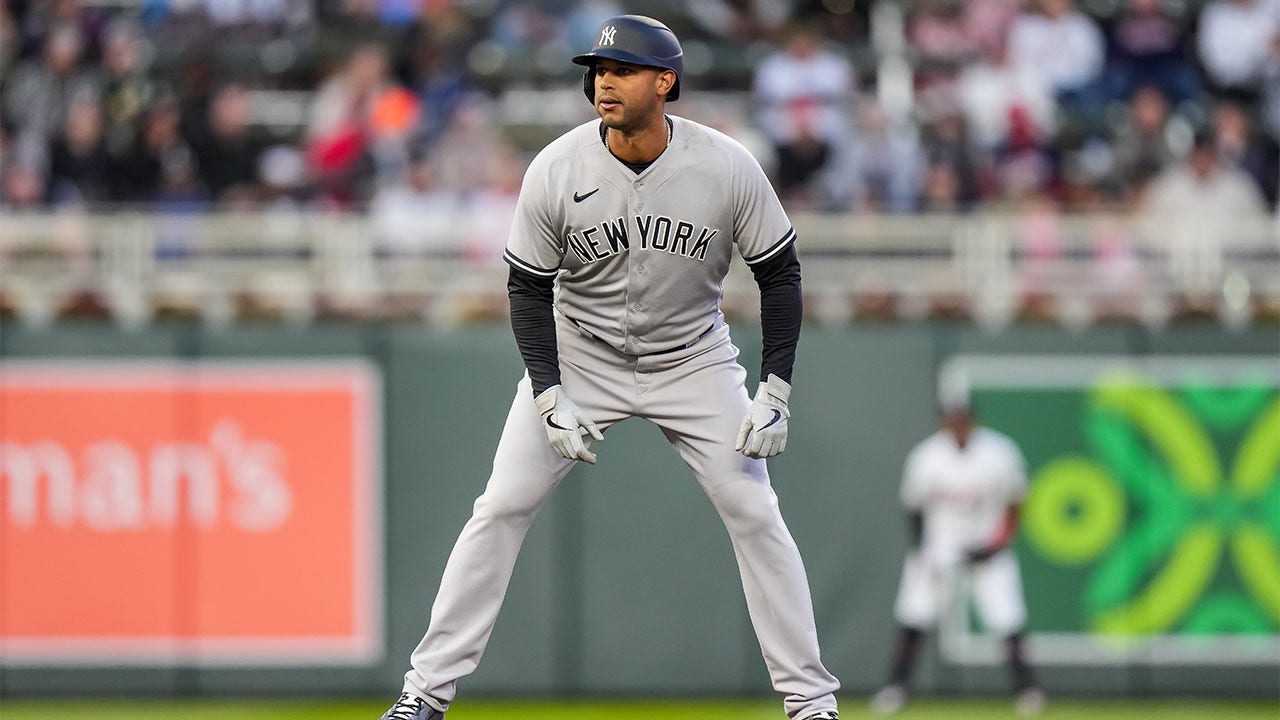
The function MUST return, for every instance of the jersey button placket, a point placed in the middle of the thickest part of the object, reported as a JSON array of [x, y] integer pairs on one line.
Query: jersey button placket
[[636, 285], [636, 307]]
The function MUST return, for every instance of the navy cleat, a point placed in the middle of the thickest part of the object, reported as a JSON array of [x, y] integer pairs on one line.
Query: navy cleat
[[823, 715], [412, 707]]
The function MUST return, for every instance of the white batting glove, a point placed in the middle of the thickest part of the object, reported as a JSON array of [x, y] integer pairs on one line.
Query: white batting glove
[[764, 430], [565, 424]]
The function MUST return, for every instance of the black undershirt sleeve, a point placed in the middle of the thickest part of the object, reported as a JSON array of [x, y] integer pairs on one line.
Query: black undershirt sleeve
[[534, 323], [781, 309]]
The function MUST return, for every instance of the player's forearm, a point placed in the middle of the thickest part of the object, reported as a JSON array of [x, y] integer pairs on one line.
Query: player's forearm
[[534, 324], [1008, 528], [1003, 537], [781, 311]]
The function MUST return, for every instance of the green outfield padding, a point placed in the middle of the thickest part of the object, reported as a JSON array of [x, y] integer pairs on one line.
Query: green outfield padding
[[627, 584]]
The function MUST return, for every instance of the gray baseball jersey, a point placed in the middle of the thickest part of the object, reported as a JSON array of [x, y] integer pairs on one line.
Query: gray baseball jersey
[[640, 260]]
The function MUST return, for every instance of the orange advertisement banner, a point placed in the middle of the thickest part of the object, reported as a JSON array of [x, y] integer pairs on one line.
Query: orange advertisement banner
[[206, 512]]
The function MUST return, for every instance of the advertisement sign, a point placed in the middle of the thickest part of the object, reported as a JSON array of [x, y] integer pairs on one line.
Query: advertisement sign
[[1151, 531], [196, 513]]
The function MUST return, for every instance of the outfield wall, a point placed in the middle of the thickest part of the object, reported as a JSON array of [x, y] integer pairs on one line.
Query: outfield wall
[[627, 583]]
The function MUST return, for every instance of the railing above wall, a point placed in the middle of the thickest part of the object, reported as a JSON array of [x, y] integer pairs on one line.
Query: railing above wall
[[295, 266]]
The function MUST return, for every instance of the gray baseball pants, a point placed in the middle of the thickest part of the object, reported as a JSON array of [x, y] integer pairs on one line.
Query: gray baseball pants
[[697, 397]]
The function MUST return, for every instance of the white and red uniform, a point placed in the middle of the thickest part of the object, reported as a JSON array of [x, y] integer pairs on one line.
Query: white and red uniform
[[963, 495]]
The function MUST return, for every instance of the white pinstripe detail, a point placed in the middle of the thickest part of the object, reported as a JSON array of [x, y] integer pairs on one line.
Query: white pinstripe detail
[[513, 260], [777, 248]]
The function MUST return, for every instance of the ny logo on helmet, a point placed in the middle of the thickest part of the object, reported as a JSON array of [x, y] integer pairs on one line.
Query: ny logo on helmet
[[606, 35]]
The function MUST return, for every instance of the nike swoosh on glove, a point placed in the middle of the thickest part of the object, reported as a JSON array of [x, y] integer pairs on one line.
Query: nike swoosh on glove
[[565, 424], [764, 430]]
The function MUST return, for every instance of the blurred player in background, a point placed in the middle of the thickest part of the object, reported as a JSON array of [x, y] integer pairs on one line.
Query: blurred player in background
[[962, 489]]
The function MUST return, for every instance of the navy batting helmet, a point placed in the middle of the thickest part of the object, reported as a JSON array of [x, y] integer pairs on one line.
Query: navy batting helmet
[[638, 40]]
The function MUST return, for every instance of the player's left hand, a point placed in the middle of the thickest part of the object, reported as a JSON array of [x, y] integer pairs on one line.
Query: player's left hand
[[764, 430]]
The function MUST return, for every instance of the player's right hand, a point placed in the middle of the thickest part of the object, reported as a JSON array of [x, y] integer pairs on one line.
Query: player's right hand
[[565, 424]]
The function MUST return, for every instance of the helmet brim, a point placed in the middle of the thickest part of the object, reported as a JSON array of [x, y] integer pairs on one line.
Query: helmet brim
[[589, 60]]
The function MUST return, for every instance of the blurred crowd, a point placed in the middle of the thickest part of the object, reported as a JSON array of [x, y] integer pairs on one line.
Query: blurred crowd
[[924, 106], [1155, 104]]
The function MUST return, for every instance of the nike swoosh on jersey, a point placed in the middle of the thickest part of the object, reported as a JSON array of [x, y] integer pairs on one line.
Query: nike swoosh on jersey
[[776, 417], [579, 198]]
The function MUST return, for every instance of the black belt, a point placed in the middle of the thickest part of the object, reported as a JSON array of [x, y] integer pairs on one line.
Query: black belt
[[685, 346]]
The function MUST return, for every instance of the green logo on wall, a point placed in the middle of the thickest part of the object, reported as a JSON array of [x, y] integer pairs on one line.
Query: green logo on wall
[[1151, 531], [1160, 509]]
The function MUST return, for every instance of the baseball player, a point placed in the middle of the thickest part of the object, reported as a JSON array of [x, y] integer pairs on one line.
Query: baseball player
[[962, 488], [624, 231]]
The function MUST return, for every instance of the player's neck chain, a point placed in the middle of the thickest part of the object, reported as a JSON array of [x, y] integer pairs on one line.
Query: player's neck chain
[[604, 135]]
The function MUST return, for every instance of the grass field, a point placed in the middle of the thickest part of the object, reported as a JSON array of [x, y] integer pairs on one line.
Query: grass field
[[727, 710]]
